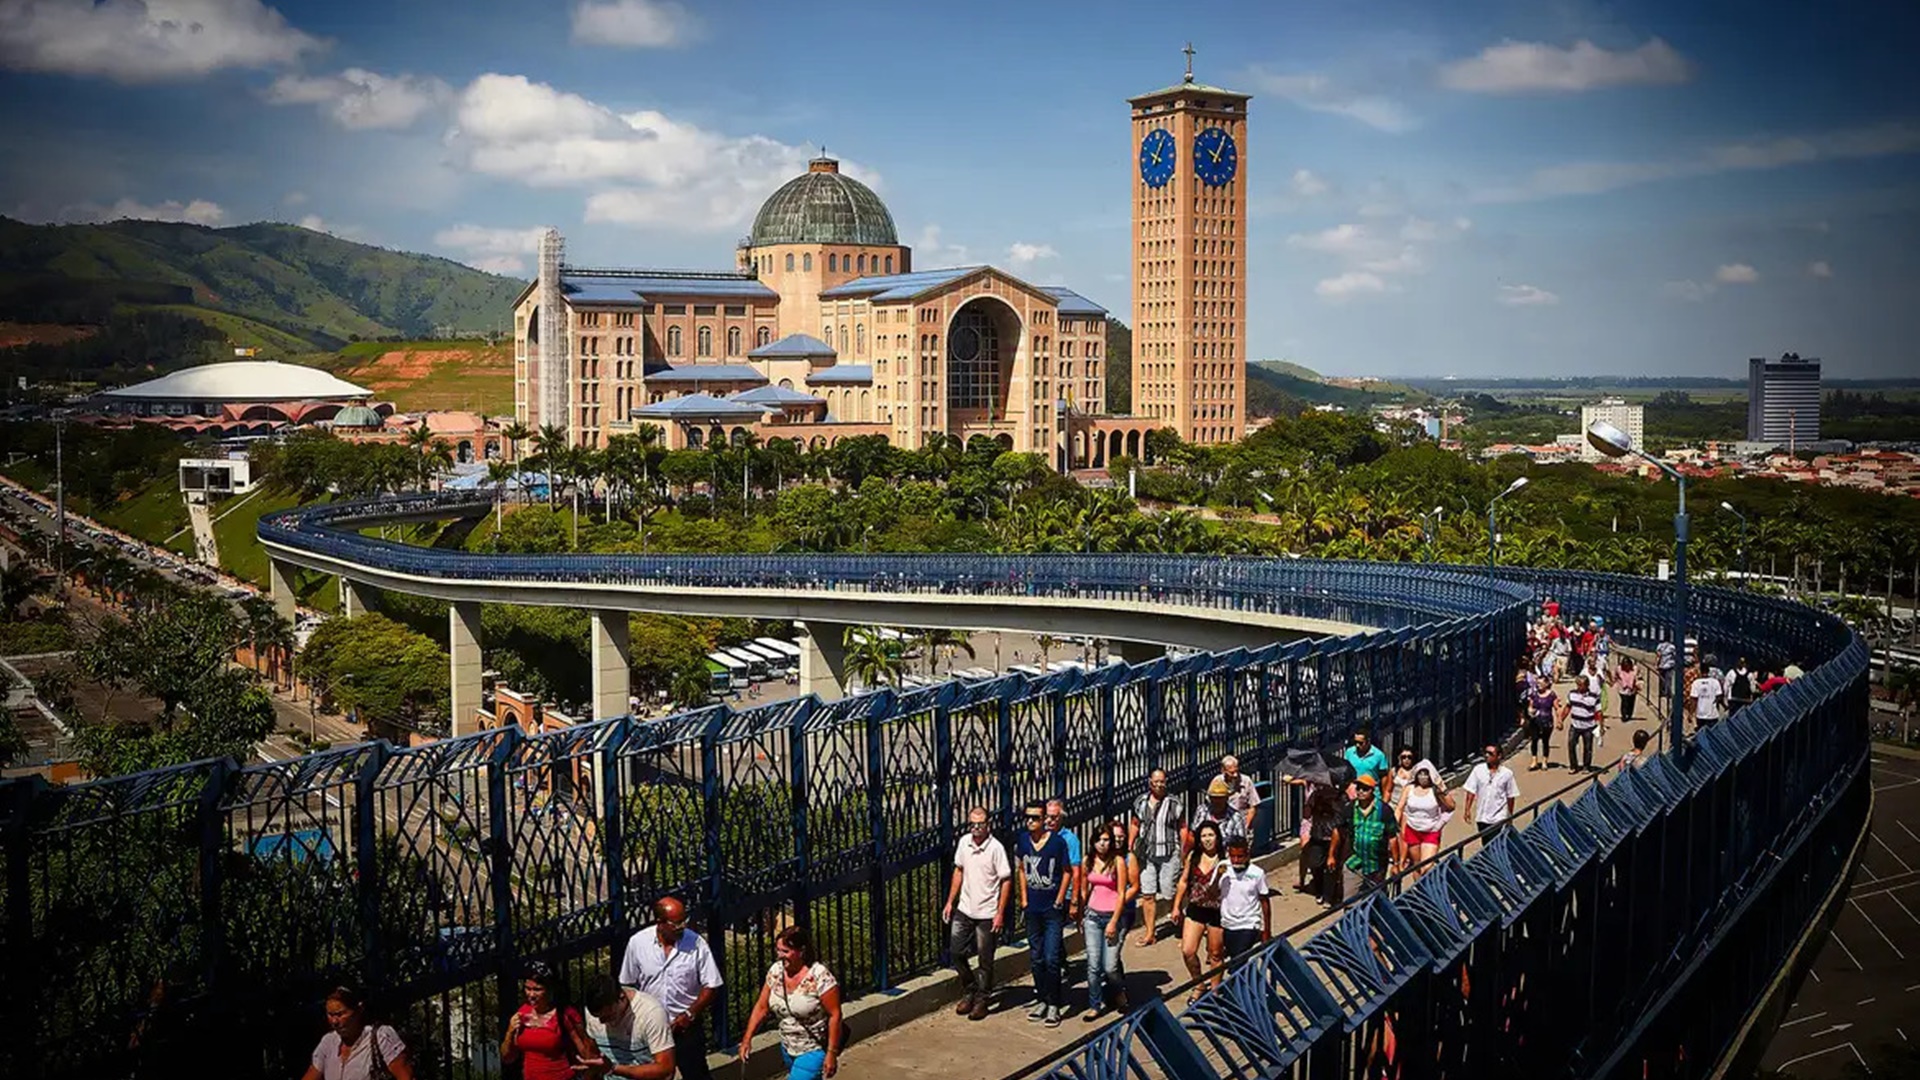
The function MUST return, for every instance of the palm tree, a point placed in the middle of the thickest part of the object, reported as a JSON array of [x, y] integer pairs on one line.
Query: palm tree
[[550, 448], [269, 634], [692, 686], [1046, 642], [498, 474], [517, 433], [950, 642], [870, 659], [19, 581]]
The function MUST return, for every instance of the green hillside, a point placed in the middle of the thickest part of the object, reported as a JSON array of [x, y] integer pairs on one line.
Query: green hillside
[[1288, 367], [307, 285]]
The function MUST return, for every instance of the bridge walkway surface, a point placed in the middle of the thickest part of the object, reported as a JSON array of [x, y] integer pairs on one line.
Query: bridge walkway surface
[[943, 1046]]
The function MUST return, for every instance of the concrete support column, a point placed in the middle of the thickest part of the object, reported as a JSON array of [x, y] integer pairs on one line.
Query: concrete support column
[[823, 659], [463, 646], [1139, 652], [354, 597], [280, 585], [612, 665]]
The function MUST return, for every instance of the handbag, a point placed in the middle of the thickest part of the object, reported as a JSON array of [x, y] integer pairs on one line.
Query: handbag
[[378, 1069]]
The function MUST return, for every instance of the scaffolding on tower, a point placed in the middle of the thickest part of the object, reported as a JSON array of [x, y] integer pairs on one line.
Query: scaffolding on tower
[[553, 335]]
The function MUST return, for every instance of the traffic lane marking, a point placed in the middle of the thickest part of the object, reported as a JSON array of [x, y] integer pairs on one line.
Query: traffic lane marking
[[1905, 866]]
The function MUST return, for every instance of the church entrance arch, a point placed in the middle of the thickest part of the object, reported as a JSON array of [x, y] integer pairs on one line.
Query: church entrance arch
[[983, 339]]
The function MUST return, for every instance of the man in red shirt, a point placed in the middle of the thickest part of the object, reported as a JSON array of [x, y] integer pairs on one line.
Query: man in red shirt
[[1772, 682]]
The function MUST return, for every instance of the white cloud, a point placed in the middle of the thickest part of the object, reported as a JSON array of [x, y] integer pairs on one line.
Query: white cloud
[[321, 225], [634, 24], [931, 250], [500, 251], [1320, 93], [358, 100], [1518, 67], [1736, 274], [1372, 252], [1307, 185], [644, 168], [1344, 240], [137, 41], [1526, 296], [1820, 269], [192, 212], [1594, 177], [1350, 284], [1021, 254]]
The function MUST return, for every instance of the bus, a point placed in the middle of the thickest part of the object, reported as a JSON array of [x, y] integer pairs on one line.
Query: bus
[[756, 664], [736, 670], [777, 661]]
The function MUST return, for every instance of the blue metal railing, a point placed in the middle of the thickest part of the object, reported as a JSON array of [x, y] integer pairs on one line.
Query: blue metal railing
[[432, 873]]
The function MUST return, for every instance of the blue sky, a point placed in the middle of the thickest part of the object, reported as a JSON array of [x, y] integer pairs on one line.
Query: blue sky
[[1480, 188]]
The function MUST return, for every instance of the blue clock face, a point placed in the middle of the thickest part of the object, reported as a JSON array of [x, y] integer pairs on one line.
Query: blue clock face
[[1157, 158], [1215, 158]]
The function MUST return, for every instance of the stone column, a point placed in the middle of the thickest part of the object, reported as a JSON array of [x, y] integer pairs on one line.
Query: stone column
[[463, 646], [354, 597], [1139, 652], [612, 665], [823, 659], [280, 584]]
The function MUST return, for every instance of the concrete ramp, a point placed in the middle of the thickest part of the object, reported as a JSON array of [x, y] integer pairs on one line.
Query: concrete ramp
[[200, 519]]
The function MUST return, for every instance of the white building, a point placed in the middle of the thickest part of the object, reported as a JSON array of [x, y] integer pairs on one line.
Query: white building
[[1631, 419]]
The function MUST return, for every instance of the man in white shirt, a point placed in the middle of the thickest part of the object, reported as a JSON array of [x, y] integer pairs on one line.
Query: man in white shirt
[[1492, 793], [673, 965], [976, 909], [1246, 906], [631, 1031], [1706, 693]]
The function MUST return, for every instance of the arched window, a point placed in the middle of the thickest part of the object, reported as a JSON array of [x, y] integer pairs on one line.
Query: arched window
[[765, 335], [889, 264], [863, 264], [843, 337], [860, 340], [806, 261], [786, 384], [864, 406], [704, 341], [789, 261], [673, 341], [733, 341], [833, 263]]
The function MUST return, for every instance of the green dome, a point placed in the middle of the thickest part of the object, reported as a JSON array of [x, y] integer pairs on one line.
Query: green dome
[[357, 416], [823, 206]]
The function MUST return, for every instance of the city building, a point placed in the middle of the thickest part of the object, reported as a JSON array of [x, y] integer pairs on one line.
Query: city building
[[1783, 400], [1631, 419], [239, 397]]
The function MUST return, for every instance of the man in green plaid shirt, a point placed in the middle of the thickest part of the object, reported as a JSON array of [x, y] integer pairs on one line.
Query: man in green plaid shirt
[[1372, 832]]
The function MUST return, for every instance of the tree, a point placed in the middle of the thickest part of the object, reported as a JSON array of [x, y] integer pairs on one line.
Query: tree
[[870, 659], [400, 678], [20, 581]]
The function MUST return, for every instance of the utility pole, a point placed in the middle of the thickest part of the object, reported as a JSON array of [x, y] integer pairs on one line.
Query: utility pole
[[60, 495]]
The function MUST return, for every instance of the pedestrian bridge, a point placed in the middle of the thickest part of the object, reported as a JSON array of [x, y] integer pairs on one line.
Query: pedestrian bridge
[[1645, 929]]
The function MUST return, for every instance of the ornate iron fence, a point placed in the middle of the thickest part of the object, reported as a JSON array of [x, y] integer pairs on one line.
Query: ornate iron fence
[[215, 901]]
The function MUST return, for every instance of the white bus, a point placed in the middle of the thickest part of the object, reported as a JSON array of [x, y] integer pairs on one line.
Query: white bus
[[736, 669]]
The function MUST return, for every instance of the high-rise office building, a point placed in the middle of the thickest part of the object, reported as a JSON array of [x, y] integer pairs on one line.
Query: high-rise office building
[[1783, 400], [1628, 418]]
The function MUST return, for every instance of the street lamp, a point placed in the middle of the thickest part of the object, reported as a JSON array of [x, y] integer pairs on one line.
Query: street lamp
[[1492, 528], [1745, 581], [1436, 516], [1613, 442]]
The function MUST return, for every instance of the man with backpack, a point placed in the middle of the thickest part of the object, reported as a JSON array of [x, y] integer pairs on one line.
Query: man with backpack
[[1742, 687]]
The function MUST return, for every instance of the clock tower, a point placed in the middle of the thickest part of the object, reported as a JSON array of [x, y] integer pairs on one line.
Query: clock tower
[[1190, 259]]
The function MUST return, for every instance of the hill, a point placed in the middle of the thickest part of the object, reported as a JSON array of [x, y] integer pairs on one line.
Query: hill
[[283, 288], [1288, 367], [472, 376]]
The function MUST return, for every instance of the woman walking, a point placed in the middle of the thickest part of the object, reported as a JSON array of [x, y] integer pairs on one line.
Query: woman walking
[[803, 994], [1542, 704], [1626, 683], [546, 1036], [1322, 853], [356, 1048], [1110, 886], [1196, 903], [1423, 810]]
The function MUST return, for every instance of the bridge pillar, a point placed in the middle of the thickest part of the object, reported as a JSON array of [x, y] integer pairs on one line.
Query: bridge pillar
[[823, 659], [280, 586], [354, 597], [463, 646], [1139, 652], [612, 665]]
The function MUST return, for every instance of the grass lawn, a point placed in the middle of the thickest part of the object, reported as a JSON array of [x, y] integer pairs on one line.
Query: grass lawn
[[240, 330], [242, 556], [152, 514], [433, 375]]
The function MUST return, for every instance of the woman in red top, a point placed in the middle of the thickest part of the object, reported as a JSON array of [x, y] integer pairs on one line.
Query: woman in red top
[[545, 1036]]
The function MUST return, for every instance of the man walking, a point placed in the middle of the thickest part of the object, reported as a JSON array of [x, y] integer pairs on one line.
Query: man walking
[[1582, 716], [976, 910], [1706, 692], [1057, 825], [1242, 796], [1219, 810], [1366, 758], [1491, 794], [674, 966], [1742, 687], [1246, 904], [1045, 880], [1373, 828], [1667, 659], [1157, 833]]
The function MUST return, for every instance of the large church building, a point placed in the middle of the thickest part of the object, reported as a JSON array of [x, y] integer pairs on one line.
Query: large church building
[[825, 329]]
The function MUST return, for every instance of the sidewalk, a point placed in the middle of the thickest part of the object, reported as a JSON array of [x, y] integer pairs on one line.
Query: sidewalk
[[943, 1046]]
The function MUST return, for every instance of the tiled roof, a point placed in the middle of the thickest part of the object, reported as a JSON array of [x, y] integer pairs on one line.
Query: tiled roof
[[699, 407], [774, 395], [842, 373], [898, 286], [803, 345], [705, 373], [644, 286], [1072, 303]]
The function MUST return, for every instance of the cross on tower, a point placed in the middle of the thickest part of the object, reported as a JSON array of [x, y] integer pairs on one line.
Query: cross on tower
[[1189, 51]]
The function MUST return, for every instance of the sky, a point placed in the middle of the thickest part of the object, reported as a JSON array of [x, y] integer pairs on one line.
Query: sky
[[1478, 188]]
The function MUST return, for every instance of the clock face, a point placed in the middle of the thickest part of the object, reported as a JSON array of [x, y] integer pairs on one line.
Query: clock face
[[1215, 158], [1157, 158]]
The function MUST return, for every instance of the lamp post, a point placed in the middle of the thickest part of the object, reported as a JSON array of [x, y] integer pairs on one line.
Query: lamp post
[[1492, 527], [1745, 581], [1428, 534], [1613, 442]]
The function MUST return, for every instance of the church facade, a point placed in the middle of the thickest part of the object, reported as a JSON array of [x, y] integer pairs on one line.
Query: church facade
[[824, 328]]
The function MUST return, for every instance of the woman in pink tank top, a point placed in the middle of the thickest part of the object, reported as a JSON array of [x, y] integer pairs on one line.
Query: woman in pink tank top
[[1112, 881]]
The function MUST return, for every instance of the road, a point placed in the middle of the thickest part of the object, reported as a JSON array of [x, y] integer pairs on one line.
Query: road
[[1859, 1007]]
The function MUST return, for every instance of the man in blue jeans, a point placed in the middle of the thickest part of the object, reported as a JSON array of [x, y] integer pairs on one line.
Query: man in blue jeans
[[1045, 879]]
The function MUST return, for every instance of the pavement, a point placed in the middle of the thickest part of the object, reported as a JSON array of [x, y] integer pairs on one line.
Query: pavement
[[1859, 1007]]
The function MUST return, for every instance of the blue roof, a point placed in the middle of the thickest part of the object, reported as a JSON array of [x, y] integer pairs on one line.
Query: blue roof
[[774, 395], [898, 286], [795, 345], [699, 407], [842, 373], [1072, 303], [705, 373], [640, 286]]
